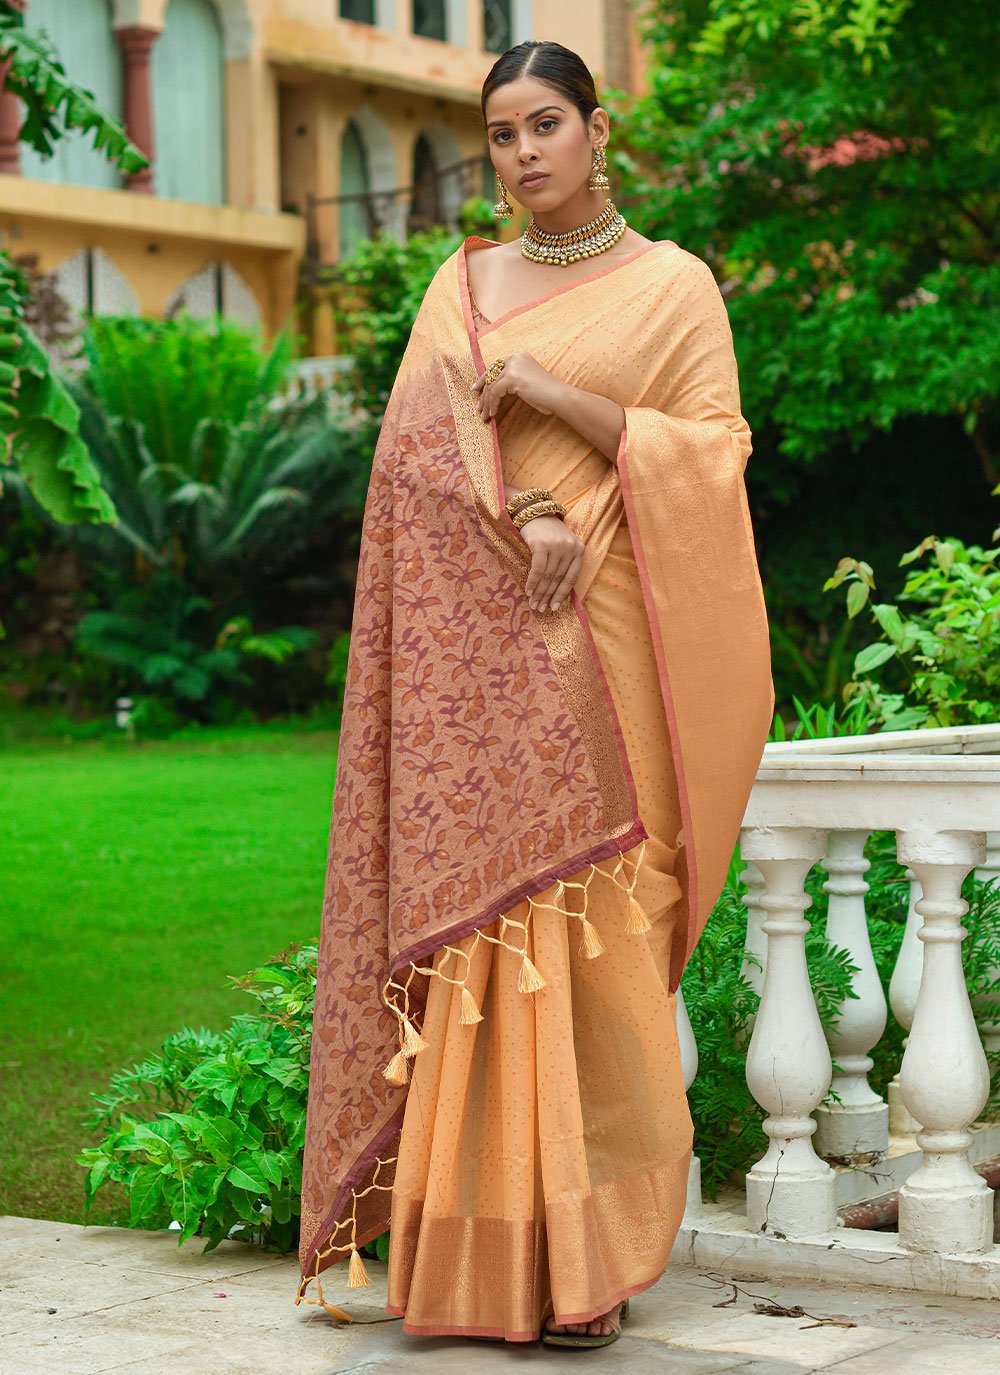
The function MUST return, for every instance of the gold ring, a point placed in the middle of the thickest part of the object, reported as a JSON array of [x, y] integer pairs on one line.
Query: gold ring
[[493, 371]]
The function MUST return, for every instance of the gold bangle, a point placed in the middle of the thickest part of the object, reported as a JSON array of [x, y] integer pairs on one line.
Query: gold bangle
[[539, 508], [530, 494], [493, 371]]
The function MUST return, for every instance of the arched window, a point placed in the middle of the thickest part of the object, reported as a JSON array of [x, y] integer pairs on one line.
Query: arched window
[[361, 11], [355, 216], [83, 36], [498, 25], [430, 19], [188, 114], [425, 208]]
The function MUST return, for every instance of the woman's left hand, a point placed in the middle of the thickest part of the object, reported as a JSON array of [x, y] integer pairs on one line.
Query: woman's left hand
[[523, 377]]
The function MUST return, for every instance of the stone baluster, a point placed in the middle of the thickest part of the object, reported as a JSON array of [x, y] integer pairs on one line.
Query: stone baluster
[[990, 1030], [755, 956], [903, 989], [944, 1205], [689, 1067], [859, 1123], [790, 1189]]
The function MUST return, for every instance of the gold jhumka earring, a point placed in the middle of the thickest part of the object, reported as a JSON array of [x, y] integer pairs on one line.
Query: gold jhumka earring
[[599, 171], [503, 210]]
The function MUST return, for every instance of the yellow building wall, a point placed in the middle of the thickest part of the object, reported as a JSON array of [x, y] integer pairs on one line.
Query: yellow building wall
[[295, 75]]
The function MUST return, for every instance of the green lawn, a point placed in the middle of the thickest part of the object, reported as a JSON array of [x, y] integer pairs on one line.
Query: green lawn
[[133, 880]]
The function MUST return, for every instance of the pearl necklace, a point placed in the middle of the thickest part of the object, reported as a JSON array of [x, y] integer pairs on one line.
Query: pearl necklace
[[583, 242]]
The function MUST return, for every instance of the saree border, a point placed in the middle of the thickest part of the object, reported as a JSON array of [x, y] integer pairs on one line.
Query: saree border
[[565, 868], [680, 768]]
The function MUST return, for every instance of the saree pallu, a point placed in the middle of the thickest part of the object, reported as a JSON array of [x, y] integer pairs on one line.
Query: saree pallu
[[500, 912]]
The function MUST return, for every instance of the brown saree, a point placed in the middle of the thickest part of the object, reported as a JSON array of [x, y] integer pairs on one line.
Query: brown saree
[[533, 814]]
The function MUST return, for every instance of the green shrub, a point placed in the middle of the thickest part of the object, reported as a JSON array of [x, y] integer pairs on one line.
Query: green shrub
[[210, 1131], [162, 636], [382, 285], [939, 646], [230, 494]]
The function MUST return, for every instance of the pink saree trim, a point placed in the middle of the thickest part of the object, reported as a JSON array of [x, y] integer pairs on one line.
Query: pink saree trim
[[477, 355]]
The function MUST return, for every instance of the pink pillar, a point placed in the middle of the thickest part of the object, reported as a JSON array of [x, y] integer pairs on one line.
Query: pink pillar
[[10, 120], [136, 44]]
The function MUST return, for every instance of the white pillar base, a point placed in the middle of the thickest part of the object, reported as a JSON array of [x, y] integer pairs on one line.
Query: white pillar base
[[850, 1129]]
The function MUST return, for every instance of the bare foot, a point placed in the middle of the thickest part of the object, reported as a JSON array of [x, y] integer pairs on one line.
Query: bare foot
[[597, 1327]]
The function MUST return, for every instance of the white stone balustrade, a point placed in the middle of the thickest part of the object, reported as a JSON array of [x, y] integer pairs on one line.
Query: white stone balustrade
[[858, 1123], [817, 802]]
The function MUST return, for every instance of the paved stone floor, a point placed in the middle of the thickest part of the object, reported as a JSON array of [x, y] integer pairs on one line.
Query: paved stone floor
[[97, 1300]]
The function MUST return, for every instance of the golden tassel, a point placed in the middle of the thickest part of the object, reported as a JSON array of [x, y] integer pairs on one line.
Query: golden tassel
[[334, 1312], [470, 1012], [357, 1275], [529, 980], [397, 1071], [638, 923], [592, 944], [413, 1042]]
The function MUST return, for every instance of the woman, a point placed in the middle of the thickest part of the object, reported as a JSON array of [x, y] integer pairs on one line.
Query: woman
[[558, 694]]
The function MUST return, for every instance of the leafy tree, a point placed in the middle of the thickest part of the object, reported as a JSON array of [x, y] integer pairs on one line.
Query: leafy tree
[[837, 164], [39, 422], [938, 647], [381, 286]]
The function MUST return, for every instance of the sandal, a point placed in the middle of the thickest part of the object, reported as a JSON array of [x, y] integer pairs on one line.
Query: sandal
[[581, 1338]]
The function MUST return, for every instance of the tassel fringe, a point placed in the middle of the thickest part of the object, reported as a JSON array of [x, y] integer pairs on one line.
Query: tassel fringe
[[332, 1309], [638, 923], [397, 1071], [592, 945], [470, 1011], [529, 980], [413, 1042], [357, 1275]]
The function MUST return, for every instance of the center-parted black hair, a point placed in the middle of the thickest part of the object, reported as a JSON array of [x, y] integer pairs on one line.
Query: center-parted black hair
[[561, 68]]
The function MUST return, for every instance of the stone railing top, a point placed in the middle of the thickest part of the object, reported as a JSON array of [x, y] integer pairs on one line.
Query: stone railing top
[[946, 778], [939, 740]]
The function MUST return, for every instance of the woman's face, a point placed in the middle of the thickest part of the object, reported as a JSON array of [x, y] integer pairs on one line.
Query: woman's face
[[535, 132]]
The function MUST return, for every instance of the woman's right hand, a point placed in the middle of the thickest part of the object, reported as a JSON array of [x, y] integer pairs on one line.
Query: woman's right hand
[[556, 558]]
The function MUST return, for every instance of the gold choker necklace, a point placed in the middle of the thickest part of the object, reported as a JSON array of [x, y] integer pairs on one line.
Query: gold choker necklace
[[583, 242]]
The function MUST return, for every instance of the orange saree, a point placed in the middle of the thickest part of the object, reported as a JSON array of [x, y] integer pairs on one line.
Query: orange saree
[[533, 815]]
